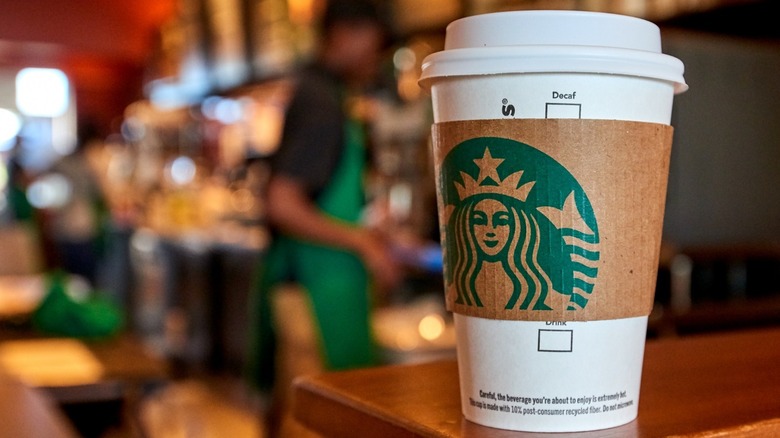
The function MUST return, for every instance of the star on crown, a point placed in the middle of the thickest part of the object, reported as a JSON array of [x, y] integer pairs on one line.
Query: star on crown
[[488, 180]]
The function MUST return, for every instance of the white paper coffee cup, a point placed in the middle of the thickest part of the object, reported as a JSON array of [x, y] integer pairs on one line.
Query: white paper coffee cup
[[552, 143]]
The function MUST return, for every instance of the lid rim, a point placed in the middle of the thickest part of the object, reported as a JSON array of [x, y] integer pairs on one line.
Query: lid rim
[[552, 59]]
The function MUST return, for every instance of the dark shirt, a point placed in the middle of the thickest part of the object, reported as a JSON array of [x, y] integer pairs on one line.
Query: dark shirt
[[313, 134]]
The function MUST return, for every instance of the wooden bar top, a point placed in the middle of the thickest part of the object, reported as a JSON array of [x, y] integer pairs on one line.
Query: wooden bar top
[[27, 412], [725, 384]]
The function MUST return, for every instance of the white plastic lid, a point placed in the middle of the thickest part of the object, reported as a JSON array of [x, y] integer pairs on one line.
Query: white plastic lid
[[553, 42]]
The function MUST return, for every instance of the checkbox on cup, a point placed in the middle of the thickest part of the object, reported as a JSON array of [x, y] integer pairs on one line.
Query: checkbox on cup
[[556, 341], [563, 111]]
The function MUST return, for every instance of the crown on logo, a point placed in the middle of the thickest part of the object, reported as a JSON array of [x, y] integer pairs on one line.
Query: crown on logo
[[488, 180]]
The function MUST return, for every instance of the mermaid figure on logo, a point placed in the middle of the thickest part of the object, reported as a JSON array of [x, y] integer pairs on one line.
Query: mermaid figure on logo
[[492, 231]]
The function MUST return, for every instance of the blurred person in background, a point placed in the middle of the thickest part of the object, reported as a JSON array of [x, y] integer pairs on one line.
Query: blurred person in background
[[22, 251], [76, 227], [315, 200], [19, 180]]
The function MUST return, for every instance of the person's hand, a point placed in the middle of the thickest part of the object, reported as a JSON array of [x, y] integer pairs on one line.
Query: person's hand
[[378, 258], [294, 213]]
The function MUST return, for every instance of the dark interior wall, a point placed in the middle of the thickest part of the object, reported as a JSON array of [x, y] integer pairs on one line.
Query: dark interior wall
[[724, 184]]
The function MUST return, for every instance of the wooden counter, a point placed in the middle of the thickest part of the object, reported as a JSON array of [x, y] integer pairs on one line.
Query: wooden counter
[[698, 386], [90, 386], [27, 412]]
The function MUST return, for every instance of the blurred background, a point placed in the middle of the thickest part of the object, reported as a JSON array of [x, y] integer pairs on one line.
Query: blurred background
[[134, 145]]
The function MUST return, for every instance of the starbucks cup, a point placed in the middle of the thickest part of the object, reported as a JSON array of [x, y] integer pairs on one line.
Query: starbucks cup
[[551, 143]]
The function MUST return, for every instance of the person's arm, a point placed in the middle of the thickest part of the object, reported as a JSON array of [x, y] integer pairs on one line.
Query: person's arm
[[292, 212]]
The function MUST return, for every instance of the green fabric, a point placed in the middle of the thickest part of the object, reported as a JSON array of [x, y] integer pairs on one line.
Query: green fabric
[[20, 205], [336, 280], [59, 314]]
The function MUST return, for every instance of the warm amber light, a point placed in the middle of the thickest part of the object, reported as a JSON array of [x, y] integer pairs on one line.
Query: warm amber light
[[301, 12], [431, 327]]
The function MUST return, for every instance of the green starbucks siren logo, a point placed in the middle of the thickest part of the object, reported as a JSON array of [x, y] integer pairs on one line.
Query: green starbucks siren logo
[[512, 210]]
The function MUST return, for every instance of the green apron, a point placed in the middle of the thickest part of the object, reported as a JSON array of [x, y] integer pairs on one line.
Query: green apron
[[335, 280]]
